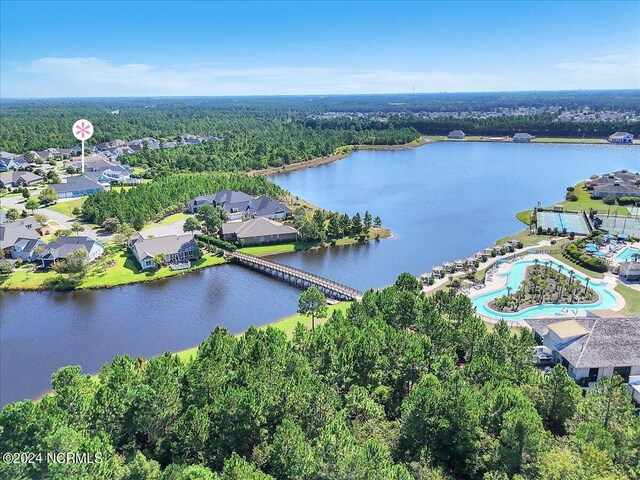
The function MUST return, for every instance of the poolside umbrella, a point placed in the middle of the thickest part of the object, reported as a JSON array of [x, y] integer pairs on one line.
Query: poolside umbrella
[[591, 249], [591, 245], [608, 236]]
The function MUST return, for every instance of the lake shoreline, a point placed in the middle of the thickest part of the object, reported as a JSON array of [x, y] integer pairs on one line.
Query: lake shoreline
[[340, 154]]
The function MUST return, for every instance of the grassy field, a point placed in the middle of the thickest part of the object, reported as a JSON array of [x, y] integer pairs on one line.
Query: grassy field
[[524, 217], [114, 269], [486, 138], [632, 300], [526, 239], [67, 207], [287, 325], [176, 217], [585, 202]]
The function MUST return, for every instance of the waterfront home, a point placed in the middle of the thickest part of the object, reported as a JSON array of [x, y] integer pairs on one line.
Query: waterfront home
[[11, 232], [258, 230], [62, 246], [437, 271], [26, 249], [522, 137], [232, 202], [621, 137], [77, 186], [622, 183], [448, 267], [488, 251], [268, 208], [592, 348], [630, 271], [457, 134], [19, 179], [459, 264], [174, 249]]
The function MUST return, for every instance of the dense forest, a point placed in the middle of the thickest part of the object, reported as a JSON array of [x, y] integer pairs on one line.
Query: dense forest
[[135, 206], [275, 127], [401, 387]]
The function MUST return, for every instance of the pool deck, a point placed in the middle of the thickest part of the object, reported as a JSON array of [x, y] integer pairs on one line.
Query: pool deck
[[495, 282]]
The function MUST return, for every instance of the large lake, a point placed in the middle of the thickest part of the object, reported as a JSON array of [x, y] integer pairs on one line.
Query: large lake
[[442, 201]]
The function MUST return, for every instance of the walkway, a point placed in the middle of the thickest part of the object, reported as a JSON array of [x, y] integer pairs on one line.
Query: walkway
[[295, 276]]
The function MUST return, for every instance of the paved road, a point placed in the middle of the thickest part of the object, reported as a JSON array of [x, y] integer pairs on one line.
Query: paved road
[[64, 220]]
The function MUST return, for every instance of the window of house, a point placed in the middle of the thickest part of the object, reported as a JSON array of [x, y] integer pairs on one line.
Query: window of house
[[624, 372]]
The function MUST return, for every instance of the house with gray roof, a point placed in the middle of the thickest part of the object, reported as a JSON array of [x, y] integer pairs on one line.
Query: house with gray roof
[[456, 134], [77, 186], [63, 246], [232, 202], [268, 208], [622, 183], [11, 232], [15, 179], [26, 249], [621, 137], [174, 248], [15, 163], [7, 155], [258, 230], [522, 137], [592, 348]]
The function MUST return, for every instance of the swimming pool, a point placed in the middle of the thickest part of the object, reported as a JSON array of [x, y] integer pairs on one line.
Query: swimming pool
[[516, 274], [627, 254]]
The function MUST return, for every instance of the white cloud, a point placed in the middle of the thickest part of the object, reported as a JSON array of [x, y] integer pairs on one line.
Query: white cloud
[[614, 69], [90, 76]]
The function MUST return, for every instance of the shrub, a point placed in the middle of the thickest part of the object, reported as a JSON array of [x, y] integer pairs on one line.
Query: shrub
[[628, 200], [609, 200], [572, 197]]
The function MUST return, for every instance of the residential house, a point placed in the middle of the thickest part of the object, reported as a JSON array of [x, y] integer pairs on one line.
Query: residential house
[[268, 208], [15, 163], [150, 142], [234, 203], [26, 249], [522, 137], [174, 248], [15, 179], [63, 246], [457, 134], [77, 186], [258, 230], [630, 271], [592, 348], [11, 232], [621, 137], [7, 155], [119, 174]]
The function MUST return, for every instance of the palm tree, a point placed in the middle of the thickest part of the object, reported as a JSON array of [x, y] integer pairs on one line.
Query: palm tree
[[586, 287]]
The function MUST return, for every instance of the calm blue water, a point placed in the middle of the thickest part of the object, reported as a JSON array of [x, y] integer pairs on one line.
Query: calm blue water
[[442, 201], [516, 274]]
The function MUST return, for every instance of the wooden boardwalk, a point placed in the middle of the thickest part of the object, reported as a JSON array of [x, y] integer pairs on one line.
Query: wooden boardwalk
[[295, 276]]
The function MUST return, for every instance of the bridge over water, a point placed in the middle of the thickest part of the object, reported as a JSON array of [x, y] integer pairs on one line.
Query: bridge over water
[[295, 276]]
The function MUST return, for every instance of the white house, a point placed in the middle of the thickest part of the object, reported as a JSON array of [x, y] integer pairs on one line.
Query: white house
[[621, 137], [457, 134], [522, 137], [592, 348], [174, 248]]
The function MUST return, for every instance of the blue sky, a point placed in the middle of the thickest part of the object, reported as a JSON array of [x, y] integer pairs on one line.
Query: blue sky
[[210, 48]]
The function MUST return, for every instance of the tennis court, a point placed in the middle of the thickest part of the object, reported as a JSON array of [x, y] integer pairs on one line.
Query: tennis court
[[571, 222], [620, 224]]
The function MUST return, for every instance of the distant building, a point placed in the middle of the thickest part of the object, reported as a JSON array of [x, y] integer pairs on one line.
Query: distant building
[[77, 186], [15, 163], [63, 246], [19, 179], [174, 248], [621, 137], [592, 348], [630, 271], [522, 137], [258, 230], [457, 134]]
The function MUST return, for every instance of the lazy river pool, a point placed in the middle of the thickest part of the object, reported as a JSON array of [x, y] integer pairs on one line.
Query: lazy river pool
[[515, 275]]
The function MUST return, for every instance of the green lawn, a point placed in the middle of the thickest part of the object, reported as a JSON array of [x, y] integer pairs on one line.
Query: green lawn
[[485, 138], [524, 217], [632, 300], [526, 239], [113, 269], [176, 217], [261, 250], [287, 325], [575, 266], [585, 202], [67, 207]]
